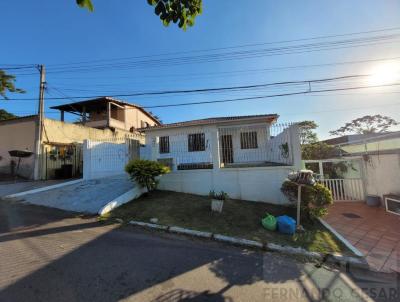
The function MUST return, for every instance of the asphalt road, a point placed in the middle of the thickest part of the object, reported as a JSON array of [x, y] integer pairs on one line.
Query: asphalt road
[[51, 255]]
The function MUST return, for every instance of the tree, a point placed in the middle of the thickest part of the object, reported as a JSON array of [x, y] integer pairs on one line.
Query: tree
[[4, 115], [7, 83], [307, 134], [319, 150], [182, 12], [366, 124]]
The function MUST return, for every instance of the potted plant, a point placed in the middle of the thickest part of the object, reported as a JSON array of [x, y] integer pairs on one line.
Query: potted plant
[[217, 200]]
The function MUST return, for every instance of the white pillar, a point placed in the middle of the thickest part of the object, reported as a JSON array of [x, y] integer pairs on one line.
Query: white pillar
[[295, 146], [321, 169], [215, 149], [87, 160]]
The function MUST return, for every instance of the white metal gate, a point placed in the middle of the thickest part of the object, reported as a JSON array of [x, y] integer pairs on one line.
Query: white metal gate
[[349, 189]]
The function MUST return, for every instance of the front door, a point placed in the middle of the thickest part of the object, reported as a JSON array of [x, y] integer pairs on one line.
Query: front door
[[227, 149]]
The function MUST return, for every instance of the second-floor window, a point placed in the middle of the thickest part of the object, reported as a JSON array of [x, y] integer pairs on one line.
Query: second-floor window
[[164, 144], [196, 142], [248, 140]]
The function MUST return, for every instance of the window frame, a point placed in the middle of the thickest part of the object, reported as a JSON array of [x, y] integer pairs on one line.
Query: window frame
[[163, 145], [248, 140], [196, 142]]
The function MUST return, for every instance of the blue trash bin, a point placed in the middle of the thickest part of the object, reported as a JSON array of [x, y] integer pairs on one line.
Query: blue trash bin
[[286, 225]]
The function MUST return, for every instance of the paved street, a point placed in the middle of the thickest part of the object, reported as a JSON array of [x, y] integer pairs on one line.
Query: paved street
[[51, 255]]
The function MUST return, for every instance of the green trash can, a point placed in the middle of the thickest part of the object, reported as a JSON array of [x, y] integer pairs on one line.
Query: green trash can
[[269, 222]]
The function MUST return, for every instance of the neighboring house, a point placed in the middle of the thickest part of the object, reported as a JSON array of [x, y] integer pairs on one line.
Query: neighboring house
[[103, 119], [246, 156], [107, 112], [373, 162]]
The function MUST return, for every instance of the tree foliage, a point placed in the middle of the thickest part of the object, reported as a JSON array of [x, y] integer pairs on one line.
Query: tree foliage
[[7, 83], [144, 172], [319, 150], [315, 199], [366, 124], [4, 115], [307, 134], [182, 12]]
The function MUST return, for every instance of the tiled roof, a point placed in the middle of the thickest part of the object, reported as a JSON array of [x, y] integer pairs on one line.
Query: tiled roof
[[214, 120]]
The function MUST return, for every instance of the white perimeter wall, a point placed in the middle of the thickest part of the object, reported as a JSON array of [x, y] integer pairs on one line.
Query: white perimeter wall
[[382, 174], [101, 159], [255, 184]]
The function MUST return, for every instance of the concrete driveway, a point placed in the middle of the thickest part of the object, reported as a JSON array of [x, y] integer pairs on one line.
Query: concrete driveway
[[87, 196], [50, 255], [12, 187]]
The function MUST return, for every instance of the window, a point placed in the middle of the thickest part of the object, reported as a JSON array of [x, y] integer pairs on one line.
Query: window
[[248, 140], [164, 144], [196, 142]]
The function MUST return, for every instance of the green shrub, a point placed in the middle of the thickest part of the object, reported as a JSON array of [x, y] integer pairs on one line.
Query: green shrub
[[315, 199], [144, 172]]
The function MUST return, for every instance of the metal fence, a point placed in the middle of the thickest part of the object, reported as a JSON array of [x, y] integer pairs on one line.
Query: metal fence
[[61, 161], [237, 146]]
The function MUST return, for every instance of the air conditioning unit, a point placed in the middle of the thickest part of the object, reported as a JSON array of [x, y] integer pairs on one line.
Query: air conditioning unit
[[392, 204]]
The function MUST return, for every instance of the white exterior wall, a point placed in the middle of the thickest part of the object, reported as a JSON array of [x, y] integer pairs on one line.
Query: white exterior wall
[[255, 184], [382, 174], [101, 159]]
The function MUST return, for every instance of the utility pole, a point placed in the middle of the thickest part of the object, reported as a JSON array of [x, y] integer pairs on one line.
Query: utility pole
[[39, 129]]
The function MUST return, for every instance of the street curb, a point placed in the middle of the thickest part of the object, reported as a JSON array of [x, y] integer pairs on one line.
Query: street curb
[[341, 238], [239, 241], [149, 225], [293, 251], [271, 247], [43, 189], [180, 230]]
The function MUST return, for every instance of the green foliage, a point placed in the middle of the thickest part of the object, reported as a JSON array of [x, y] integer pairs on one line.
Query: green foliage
[[182, 12], [7, 83], [144, 172], [85, 4], [4, 115], [307, 134], [366, 124], [319, 150], [219, 196], [314, 199]]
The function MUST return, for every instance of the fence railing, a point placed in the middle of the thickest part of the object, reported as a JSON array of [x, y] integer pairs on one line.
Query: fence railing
[[350, 189], [235, 145]]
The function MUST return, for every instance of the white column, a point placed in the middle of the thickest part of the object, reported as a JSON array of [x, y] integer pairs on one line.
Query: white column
[[87, 160], [215, 149], [295, 145]]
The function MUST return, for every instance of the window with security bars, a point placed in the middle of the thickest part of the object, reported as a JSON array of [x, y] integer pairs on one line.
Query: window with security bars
[[196, 142], [248, 140], [164, 144]]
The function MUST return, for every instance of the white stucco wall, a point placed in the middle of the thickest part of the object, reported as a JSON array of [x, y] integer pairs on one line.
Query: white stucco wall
[[382, 174], [255, 184]]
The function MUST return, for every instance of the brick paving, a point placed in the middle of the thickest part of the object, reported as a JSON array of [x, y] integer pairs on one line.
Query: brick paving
[[373, 231]]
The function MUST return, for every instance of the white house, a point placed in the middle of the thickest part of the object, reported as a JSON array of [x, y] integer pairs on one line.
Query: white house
[[246, 156]]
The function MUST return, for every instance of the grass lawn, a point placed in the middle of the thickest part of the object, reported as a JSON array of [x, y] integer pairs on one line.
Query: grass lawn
[[238, 218]]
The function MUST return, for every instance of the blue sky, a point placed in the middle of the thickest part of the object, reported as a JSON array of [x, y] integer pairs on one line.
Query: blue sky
[[55, 32]]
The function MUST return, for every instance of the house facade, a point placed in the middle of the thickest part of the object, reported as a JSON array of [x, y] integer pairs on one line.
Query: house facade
[[109, 113], [61, 150], [246, 156]]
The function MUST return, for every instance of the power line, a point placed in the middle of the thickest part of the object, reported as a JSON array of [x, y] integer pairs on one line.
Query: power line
[[163, 92], [237, 46], [269, 96]]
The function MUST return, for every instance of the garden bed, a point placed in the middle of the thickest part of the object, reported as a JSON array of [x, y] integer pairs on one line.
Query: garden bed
[[238, 218]]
